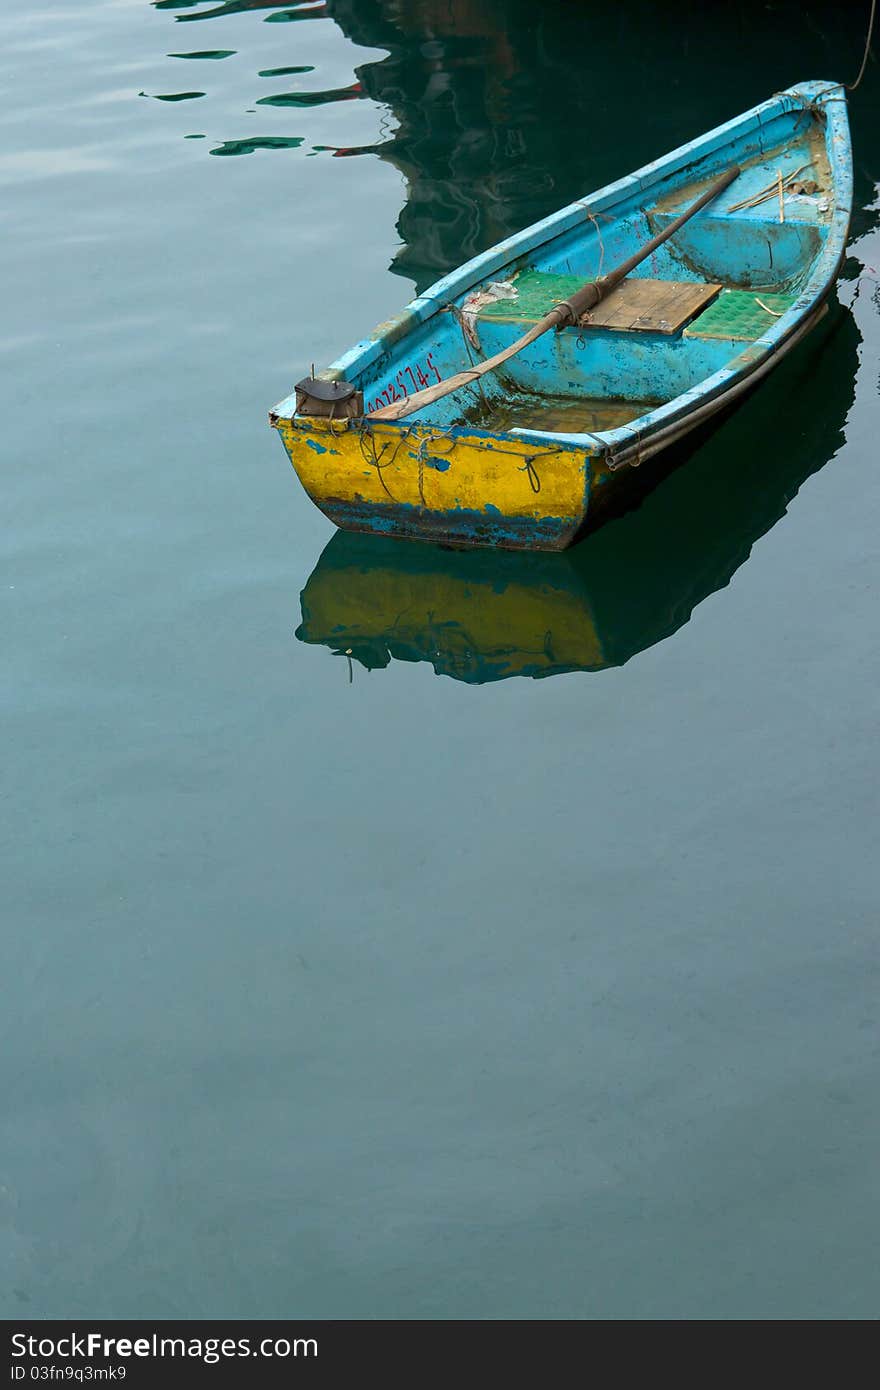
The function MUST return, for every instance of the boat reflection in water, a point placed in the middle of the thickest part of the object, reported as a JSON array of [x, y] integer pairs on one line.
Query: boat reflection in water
[[483, 616]]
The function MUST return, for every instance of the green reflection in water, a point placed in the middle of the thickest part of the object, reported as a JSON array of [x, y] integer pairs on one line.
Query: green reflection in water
[[173, 96], [232, 7], [285, 72], [505, 110], [291, 16], [312, 98], [258, 142]]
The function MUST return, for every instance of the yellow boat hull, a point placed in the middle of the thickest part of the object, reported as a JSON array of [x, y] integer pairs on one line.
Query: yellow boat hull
[[473, 489]]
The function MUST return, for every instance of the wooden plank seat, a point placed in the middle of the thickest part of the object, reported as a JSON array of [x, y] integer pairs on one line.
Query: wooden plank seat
[[635, 306]]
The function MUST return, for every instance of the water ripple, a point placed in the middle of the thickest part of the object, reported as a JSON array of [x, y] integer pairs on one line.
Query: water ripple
[[256, 142], [230, 7], [172, 96], [291, 16], [213, 53], [285, 72], [281, 12], [352, 93]]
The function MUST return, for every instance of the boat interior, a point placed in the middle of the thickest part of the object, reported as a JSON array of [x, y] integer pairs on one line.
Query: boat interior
[[715, 287]]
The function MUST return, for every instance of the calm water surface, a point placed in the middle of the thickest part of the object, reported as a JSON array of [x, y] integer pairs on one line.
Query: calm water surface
[[337, 986]]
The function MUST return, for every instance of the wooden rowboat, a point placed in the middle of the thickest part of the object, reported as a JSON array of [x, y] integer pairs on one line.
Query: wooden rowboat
[[525, 457]]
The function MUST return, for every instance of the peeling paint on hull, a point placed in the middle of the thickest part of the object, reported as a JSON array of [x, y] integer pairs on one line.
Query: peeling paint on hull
[[485, 491]]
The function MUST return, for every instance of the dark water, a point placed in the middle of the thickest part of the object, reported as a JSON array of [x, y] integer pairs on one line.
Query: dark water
[[362, 992]]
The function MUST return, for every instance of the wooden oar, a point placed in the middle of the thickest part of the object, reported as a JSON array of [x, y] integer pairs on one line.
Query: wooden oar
[[569, 311]]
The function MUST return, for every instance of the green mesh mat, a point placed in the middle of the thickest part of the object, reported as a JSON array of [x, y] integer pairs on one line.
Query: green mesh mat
[[537, 293], [734, 314], [738, 314]]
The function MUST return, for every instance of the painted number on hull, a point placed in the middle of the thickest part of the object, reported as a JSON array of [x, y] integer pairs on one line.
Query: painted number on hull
[[409, 378]]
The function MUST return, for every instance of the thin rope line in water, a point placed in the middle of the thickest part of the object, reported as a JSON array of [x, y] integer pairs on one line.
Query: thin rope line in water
[[851, 86]]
